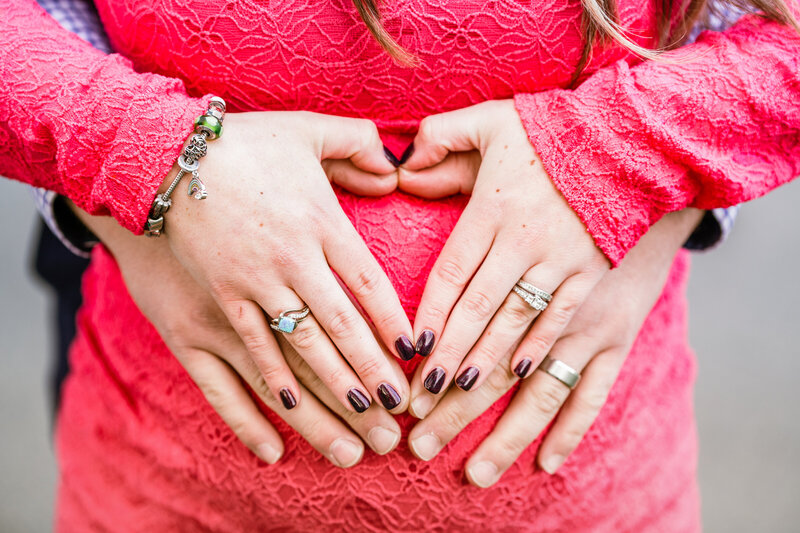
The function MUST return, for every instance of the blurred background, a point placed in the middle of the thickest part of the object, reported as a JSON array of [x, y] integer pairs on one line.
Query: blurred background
[[744, 327]]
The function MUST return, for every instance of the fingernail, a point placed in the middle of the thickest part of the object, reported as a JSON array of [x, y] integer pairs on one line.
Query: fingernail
[[552, 463], [267, 453], [358, 400], [483, 474], [422, 405], [426, 447], [391, 157], [382, 440], [406, 154], [425, 343], [287, 398], [388, 396], [522, 368], [404, 348], [345, 452], [467, 378], [435, 380]]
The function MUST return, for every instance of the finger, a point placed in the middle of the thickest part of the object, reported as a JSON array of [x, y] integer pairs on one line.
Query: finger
[[506, 328], [462, 254], [351, 337], [353, 139], [455, 411], [438, 135], [581, 409], [313, 344], [533, 407], [454, 175], [344, 173], [223, 390], [351, 259], [376, 426], [550, 324], [473, 311], [311, 419], [247, 318]]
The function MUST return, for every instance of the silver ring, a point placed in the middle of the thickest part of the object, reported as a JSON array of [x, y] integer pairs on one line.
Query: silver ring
[[531, 299], [288, 320], [561, 371], [544, 295]]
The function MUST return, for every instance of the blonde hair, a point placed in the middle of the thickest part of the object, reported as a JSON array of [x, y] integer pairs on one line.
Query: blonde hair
[[600, 23]]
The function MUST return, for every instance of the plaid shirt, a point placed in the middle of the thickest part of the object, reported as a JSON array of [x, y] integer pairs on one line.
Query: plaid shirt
[[80, 17]]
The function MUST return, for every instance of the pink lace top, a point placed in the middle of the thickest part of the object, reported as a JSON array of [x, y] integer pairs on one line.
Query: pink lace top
[[139, 449]]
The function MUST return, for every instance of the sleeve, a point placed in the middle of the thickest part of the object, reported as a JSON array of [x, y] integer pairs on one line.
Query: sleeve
[[84, 124], [633, 143]]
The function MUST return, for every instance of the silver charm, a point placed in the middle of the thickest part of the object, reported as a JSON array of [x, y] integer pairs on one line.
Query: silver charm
[[197, 188]]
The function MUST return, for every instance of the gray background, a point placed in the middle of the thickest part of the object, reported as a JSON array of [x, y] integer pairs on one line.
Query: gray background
[[744, 329]]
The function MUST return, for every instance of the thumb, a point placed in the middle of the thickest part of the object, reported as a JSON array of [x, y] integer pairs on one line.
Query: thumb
[[455, 175], [454, 131], [354, 139]]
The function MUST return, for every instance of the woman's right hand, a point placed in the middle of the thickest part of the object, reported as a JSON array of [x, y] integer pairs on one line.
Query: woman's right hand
[[197, 332], [269, 238]]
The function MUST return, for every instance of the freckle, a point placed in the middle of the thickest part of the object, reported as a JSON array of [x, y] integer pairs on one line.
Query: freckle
[[524, 225], [505, 147], [533, 162], [261, 225], [274, 135], [497, 190], [261, 193], [241, 311]]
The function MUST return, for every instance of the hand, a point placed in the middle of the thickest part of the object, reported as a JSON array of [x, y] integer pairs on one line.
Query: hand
[[197, 332], [516, 225], [596, 343], [270, 237]]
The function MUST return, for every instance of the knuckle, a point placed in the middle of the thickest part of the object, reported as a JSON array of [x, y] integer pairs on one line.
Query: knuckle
[[342, 323], [516, 315], [451, 273], [435, 314], [367, 282], [453, 419], [537, 345], [511, 446], [270, 372], [261, 388], [334, 377], [256, 343], [477, 305], [564, 311], [369, 366], [428, 127], [590, 402], [547, 398], [304, 339]]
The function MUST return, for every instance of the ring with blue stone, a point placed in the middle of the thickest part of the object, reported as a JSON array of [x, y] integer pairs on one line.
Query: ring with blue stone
[[288, 320]]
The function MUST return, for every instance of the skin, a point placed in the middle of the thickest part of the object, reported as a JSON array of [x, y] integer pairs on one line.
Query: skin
[[215, 357], [297, 237]]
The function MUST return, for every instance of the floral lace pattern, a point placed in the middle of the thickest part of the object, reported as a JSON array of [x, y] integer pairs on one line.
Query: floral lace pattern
[[141, 450]]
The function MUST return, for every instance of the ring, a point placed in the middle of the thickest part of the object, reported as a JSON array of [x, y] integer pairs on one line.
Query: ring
[[534, 300], [544, 295], [561, 371], [288, 320]]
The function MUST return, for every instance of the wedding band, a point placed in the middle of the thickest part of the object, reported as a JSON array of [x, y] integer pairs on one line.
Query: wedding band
[[544, 295], [561, 371], [288, 320], [533, 300]]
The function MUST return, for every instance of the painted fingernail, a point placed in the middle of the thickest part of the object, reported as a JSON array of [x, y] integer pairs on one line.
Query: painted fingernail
[[404, 348], [426, 446], [522, 368], [407, 154], [287, 398], [467, 378], [267, 453], [345, 452], [425, 343], [382, 440], [483, 474], [391, 157], [552, 463], [358, 400], [388, 396], [435, 380]]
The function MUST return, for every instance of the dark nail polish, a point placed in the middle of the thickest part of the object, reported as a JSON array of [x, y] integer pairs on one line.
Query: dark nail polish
[[435, 380], [522, 368], [391, 157], [467, 378], [407, 154], [404, 348], [425, 343], [288, 398], [358, 400], [389, 397]]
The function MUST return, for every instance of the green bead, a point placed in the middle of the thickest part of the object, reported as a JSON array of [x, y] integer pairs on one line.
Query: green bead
[[208, 123]]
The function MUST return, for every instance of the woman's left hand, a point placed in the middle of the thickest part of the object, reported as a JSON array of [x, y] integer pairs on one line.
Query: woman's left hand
[[595, 343], [517, 225]]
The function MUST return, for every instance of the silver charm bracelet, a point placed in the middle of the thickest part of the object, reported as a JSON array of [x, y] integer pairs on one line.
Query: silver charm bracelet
[[207, 127]]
